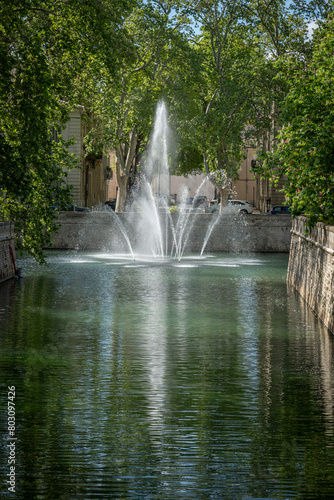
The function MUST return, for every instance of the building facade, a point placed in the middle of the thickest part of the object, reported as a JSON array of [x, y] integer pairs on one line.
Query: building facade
[[267, 195], [245, 187], [93, 181]]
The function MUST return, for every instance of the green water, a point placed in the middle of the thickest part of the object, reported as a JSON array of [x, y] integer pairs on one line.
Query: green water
[[205, 379]]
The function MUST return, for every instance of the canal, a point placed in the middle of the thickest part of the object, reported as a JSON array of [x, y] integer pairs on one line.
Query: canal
[[201, 379]]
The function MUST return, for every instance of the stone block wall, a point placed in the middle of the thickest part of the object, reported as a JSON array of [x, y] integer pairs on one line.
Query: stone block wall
[[311, 267], [248, 233], [7, 246], [101, 231]]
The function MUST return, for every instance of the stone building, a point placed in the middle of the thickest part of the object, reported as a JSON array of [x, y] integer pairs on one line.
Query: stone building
[[245, 187], [93, 181], [268, 195]]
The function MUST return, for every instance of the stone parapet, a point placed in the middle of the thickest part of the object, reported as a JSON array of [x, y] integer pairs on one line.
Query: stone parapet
[[311, 267], [103, 231], [7, 251]]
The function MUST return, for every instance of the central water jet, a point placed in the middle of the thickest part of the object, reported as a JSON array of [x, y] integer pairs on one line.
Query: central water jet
[[159, 233]]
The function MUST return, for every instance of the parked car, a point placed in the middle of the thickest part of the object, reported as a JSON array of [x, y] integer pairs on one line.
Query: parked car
[[240, 206], [213, 208], [233, 206], [69, 208], [201, 201], [280, 210], [111, 204], [74, 208]]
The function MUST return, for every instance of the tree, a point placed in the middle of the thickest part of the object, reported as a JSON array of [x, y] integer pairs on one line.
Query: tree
[[126, 106], [45, 49], [282, 32], [305, 150], [225, 86], [239, 91]]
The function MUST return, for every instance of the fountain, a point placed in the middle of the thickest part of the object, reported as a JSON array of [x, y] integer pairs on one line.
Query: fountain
[[160, 233], [150, 229]]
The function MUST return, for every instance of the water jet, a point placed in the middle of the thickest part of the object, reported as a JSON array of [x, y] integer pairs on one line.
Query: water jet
[[162, 235]]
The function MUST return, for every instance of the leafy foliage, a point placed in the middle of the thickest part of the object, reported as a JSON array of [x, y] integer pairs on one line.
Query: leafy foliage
[[219, 65], [305, 152], [126, 105], [46, 48], [227, 88]]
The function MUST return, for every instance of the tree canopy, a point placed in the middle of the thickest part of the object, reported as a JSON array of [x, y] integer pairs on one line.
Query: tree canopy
[[230, 72], [304, 155], [46, 48]]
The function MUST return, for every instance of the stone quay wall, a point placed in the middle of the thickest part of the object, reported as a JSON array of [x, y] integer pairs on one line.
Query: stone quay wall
[[311, 267], [7, 251], [105, 231]]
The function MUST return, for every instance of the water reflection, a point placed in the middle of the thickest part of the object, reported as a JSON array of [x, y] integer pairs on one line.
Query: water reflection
[[212, 380]]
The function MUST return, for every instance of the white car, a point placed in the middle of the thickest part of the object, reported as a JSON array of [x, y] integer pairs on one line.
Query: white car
[[233, 206], [240, 206]]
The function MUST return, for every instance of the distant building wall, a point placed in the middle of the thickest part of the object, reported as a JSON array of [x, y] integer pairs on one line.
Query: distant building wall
[[268, 195], [7, 251], [311, 267], [93, 180], [245, 186], [191, 184]]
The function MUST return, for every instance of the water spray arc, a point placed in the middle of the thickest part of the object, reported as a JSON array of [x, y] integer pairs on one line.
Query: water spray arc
[[162, 234]]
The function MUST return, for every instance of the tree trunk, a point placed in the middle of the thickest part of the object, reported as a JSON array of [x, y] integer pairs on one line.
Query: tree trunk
[[224, 193], [124, 160], [224, 189], [122, 181]]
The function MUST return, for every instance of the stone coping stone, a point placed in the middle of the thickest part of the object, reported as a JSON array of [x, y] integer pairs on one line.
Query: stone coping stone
[[95, 215], [323, 225]]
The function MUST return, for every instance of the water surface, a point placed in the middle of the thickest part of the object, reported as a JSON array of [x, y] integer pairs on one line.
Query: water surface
[[204, 379]]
